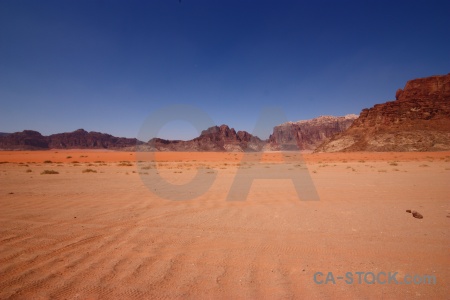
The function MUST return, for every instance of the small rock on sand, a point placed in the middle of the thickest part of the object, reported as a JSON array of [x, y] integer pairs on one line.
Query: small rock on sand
[[417, 215]]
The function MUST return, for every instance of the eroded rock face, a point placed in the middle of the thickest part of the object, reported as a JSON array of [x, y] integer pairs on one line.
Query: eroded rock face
[[308, 134], [419, 120], [432, 88]]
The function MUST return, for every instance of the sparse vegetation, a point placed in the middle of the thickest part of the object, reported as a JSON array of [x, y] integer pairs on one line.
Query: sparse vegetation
[[89, 171], [49, 172], [125, 164], [28, 171], [68, 157], [47, 162], [424, 166], [75, 162], [393, 163]]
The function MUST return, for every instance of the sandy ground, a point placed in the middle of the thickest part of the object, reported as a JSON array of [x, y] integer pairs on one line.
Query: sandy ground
[[114, 234]]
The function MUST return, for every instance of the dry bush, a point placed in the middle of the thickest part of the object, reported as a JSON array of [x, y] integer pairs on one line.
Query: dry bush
[[49, 172]]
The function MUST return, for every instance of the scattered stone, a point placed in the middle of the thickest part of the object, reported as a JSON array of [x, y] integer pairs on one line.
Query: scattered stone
[[417, 215]]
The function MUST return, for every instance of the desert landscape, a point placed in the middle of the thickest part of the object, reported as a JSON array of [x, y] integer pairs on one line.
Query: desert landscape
[[224, 149], [94, 230]]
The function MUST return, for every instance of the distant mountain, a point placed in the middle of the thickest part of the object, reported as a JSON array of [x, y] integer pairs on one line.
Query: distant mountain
[[213, 139], [216, 138], [418, 120], [4, 133], [25, 140], [79, 139], [308, 134]]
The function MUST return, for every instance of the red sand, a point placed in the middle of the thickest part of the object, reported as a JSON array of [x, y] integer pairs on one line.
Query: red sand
[[106, 235]]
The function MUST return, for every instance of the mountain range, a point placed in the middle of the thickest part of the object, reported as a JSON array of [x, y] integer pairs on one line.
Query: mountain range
[[418, 120]]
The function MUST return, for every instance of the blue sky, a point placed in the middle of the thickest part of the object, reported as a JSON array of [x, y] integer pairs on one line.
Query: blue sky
[[107, 65]]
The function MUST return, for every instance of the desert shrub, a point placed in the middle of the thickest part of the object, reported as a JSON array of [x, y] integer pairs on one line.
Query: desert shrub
[[47, 162], [125, 164], [29, 171], [49, 172], [89, 171], [69, 156]]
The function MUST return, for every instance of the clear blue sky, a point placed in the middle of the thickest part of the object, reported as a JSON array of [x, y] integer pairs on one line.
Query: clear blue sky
[[106, 65]]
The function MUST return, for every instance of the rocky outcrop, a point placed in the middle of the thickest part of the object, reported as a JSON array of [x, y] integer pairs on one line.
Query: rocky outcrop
[[4, 134], [419, 120], [25, 140], [216, 138], [308, 134], [81, 139]]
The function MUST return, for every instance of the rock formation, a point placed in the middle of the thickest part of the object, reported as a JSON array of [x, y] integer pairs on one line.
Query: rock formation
[[308, 134], [419, 120], [214, 138], [25, 140], [79, 139]]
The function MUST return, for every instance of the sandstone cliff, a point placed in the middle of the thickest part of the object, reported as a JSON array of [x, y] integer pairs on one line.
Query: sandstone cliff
[[419, 120], [308, 134]]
